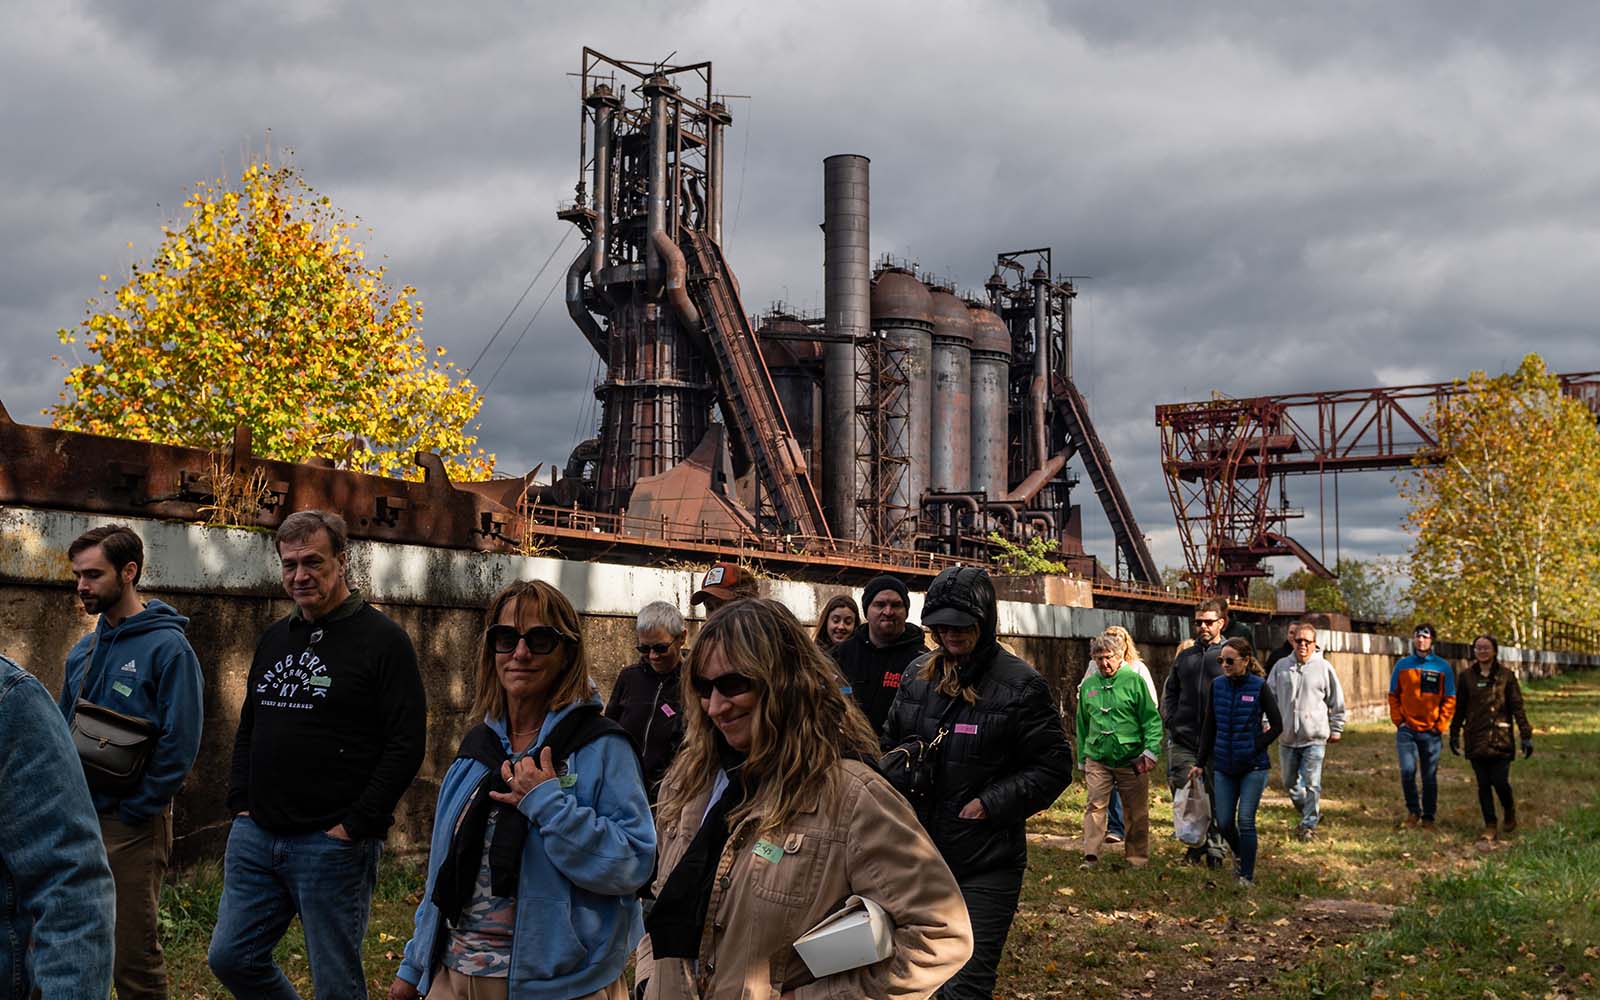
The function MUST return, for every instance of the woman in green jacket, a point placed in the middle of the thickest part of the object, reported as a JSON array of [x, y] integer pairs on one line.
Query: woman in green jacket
[[1119, 739]]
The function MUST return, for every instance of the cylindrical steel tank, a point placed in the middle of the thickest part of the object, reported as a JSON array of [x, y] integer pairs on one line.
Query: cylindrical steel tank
[[847, 295], [950, 412], [902, 312], [796, 367], [991, 367]]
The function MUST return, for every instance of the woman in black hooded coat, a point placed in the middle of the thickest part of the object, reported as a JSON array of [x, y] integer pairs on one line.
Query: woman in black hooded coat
[[1003, 756]]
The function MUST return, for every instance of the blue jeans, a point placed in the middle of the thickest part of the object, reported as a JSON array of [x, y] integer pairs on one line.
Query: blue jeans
[[1114, 815], [267, 880], [1418, 751], [1302, 779], [1234, 806]]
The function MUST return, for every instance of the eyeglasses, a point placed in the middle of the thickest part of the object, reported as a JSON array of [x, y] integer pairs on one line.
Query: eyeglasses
[[1207, 621], [658, 648], [1228, 659], [1305, 642], [540, 639], [727, 685]]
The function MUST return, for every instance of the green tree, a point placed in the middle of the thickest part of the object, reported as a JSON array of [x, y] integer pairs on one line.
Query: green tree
[[1507, 512], [1031, 557], [260, 310], [1321, 595]]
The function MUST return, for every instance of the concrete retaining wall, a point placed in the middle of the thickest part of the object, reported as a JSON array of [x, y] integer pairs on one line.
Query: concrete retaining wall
[[226, 581]]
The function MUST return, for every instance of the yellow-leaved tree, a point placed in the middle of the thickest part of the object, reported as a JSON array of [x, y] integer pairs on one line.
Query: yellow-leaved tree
[[260, 310], [1507, 510]]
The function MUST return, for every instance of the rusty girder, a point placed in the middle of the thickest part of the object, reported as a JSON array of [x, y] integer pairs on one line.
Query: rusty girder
[[1221, 457]]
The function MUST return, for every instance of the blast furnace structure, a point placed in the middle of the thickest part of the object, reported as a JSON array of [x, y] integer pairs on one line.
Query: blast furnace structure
[[910, 418]]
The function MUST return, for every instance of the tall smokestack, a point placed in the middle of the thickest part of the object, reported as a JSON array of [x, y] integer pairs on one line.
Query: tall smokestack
[[847, 296]]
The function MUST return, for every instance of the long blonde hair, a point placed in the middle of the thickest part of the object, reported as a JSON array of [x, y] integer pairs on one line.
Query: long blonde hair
[[803, 726], [534, 599]]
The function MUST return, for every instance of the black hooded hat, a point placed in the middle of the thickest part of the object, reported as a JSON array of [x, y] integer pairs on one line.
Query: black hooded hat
[[963, 596]]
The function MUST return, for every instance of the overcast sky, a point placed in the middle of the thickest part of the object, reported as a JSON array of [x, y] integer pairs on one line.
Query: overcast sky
[[1360, 194]]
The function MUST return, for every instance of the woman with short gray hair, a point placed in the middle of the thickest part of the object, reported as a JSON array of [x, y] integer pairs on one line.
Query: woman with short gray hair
[[646, 699]]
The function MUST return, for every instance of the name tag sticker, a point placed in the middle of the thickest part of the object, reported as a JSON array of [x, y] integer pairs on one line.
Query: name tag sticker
[[667, 710], [767, 851], [1247, 697], [966, 729], [122, 689], [568, 780], [1091, 692], [319, 681]]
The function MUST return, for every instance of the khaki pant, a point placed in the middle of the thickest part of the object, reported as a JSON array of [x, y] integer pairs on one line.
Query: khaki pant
[[1135, 790], [139, 856], [448, 984]]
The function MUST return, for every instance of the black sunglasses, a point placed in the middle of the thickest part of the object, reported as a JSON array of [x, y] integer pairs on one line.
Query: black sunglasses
[[1229, 659], [540, 639], [658, 648], [1207, 621], [728, 685]]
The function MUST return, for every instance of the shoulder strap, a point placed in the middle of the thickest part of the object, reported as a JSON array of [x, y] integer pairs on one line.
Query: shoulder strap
[[88, 663], [577, 729]]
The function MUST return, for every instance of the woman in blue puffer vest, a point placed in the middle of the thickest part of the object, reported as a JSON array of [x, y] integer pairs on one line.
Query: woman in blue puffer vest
[[1241, 721]]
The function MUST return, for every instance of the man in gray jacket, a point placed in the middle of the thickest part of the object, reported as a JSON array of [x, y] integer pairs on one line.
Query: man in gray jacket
[[1309, 696]]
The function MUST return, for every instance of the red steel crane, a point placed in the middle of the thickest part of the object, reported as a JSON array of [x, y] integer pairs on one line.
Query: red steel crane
[[1221, 457]]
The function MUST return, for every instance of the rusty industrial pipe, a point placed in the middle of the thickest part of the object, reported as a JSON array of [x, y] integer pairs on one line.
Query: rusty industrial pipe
[[1038, 390], [1030, 487], [676, 283], [605, 104], [580, 312]]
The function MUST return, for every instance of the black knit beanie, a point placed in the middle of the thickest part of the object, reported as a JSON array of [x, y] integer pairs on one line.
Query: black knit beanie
[[884, 582]]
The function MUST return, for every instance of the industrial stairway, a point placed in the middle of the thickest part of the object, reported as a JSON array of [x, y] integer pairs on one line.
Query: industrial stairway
[[1084, 440], [749, 399]]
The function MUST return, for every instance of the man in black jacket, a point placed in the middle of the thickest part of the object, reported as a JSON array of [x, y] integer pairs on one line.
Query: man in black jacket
[[331, 734], [1004, 756], [875, 657], [1183, 708]]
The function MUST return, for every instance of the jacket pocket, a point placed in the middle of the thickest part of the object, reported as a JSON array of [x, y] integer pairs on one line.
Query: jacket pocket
[[787, 867]]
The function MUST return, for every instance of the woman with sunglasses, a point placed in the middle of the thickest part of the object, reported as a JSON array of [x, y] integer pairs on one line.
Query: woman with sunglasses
[[1000, 755], [1234, 741], [646, 700], [772, 816], [542, 836], [838, 622]]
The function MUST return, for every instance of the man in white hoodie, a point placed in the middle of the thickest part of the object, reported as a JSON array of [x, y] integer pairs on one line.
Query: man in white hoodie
[[1308, 694]]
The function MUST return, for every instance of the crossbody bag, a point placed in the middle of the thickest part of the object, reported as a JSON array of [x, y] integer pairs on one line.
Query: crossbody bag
[[114, 747]]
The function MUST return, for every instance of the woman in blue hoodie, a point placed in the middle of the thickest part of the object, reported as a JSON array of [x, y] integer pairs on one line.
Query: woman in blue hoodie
[[1241, 721], [543, 833]]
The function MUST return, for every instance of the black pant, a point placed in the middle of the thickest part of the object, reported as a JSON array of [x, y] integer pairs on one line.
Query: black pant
[[991, 904], [1494, 778]]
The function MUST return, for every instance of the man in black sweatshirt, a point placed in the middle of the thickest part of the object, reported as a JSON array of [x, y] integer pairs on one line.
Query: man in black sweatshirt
[[1183, 708], [330, 736], [873, 659]]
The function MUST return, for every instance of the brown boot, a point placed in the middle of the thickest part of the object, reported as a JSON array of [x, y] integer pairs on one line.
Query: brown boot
[[1509, 825]]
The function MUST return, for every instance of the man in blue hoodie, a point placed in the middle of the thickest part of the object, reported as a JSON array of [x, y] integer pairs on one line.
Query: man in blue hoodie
[[138, 662]]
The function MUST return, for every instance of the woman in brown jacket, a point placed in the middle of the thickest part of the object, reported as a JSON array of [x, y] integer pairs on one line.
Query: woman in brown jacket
[[1488, 701], [771, 816]]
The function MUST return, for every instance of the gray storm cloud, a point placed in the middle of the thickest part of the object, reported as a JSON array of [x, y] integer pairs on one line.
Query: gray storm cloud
[[1267, 202]]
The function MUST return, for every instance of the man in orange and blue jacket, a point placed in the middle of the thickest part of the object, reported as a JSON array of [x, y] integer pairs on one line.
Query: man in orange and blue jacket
[[1422, 698]]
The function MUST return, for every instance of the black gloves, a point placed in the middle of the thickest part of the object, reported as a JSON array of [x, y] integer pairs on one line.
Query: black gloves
[[1455, 745], [1527, 748]]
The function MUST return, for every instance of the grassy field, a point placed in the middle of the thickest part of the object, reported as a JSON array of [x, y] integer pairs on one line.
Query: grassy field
[[1369, 909]]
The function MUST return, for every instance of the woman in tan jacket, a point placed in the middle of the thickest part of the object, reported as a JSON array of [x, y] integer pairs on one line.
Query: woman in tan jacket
[[771, 816]]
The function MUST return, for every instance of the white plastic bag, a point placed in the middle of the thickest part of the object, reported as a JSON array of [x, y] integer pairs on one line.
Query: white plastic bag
[[1191, 813]]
